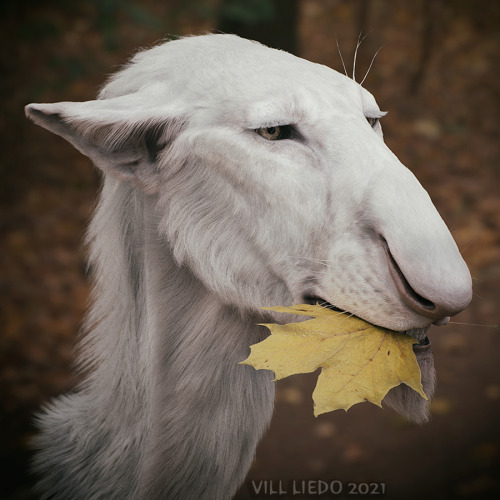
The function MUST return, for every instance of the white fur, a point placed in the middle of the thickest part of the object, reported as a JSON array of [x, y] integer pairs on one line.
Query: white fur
[[201, 221]]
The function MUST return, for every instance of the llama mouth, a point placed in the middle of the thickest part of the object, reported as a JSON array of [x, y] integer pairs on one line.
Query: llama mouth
[[419, 334], [314, 300], [424, 346]]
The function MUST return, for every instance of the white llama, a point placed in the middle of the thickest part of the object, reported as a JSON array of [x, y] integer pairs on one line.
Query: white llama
[[235, 176]]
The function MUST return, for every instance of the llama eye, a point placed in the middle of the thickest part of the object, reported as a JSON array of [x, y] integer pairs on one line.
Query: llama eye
[[372, 121], [277, 133]]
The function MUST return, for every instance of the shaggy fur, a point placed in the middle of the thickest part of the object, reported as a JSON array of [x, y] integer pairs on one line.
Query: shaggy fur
[[202, 221]]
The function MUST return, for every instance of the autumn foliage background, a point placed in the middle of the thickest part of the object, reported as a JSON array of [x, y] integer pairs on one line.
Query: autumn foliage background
[[436, 75]]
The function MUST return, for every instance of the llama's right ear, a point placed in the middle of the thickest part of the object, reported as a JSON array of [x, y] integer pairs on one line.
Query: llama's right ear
[[123, 136]]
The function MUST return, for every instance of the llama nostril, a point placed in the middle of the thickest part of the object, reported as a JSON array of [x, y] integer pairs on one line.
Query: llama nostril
[[421, 305]]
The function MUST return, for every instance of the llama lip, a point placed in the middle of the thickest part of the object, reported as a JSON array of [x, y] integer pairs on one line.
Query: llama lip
[[420, 335], [424, 346]]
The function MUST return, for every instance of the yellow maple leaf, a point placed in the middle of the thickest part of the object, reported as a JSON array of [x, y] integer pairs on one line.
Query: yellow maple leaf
[[359, 361]]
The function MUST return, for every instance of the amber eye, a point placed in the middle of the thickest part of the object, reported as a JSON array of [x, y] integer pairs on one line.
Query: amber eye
[[372, 121], [277, 133]]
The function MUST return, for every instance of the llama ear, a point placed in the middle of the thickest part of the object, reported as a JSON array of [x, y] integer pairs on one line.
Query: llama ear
[[122, 136]]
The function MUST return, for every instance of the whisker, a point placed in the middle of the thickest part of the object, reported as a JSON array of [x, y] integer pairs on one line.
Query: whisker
[[346, 318], [465, 248], [341, 58], [356, 54], [370, 67], [327, 305], [497, 327], [324, 262], [354, 64]]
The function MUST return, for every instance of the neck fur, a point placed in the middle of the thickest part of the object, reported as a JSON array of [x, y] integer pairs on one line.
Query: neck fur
[[167, 411]]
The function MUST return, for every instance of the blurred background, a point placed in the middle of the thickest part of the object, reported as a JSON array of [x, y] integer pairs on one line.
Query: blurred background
[[437, 75]]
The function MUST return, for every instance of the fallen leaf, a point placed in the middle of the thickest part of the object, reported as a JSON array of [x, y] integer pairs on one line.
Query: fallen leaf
[[359, 361]]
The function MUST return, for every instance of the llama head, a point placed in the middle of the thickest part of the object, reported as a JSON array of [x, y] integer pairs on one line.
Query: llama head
[[271, 182]]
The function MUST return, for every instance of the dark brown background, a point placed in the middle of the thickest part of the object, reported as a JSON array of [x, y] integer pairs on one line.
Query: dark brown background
[[437, 77]]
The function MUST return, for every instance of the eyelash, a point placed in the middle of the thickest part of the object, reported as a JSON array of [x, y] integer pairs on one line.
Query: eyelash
[[282, 132]]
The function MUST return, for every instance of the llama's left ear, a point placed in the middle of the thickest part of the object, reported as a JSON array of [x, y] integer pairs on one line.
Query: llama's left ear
[[122, 136]]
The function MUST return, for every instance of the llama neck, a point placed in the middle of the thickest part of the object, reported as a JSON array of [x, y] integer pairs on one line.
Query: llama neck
[[173, 348]]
